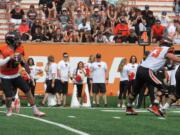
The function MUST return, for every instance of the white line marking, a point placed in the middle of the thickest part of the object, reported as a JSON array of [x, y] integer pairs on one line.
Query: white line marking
[[117, 117], [72, 116], [52, 123], [122, 111], [161, 118]]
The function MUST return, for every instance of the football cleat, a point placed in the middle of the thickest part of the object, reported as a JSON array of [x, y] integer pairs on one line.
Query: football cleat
[[9, 112], [38, 113], [155, 110], [130, 111]]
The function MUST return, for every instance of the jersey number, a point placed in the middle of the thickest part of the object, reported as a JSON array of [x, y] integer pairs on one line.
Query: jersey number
[[156, 52]]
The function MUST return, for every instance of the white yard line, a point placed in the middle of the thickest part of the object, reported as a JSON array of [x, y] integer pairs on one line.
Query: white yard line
[[52, 123]]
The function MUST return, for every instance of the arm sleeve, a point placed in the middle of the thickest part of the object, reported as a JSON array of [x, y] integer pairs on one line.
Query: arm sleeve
[[4, 61]]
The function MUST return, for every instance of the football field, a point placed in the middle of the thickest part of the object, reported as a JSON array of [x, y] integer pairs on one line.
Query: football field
[[95, 121]]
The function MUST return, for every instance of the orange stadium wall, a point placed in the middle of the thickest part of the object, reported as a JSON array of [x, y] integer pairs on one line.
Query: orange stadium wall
[[111, 54]]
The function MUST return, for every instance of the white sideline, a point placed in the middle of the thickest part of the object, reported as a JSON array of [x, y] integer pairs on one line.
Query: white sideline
[[52, 123]]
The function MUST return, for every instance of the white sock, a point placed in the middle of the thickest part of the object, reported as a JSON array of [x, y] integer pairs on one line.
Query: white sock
[[166, 106], [156, 101], [34, 108]]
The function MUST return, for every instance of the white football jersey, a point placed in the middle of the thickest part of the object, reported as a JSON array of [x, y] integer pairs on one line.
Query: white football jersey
[[64, 69], [99, 72], [156, 59]]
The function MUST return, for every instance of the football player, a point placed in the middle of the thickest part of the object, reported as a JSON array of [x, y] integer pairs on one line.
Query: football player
[[145, 74], [11, 56]]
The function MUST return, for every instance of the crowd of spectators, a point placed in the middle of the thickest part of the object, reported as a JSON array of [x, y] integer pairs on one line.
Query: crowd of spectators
[[90, 21]]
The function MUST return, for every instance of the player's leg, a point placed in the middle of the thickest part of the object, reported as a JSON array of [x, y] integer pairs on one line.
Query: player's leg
[[174, 97], [22, 85], [65, 92], [102, 87], [95, 90], [8, 91], [139, 83], [79, 92], [153, 80]]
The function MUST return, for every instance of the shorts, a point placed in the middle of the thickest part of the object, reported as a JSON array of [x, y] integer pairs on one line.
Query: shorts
[[62, 87], [49, 88], [9, 86], [98, 88]]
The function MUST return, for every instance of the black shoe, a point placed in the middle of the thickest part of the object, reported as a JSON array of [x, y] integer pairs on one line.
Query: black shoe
[[97, 105], [105, 105]]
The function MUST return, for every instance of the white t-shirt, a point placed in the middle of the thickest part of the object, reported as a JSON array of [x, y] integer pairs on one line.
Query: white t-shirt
[[34, 70], [132, 69], [89, 65], [81, 73], [124, 74], [64, 70], [52, 70], [156, 59], [99, 72], [87, 27]]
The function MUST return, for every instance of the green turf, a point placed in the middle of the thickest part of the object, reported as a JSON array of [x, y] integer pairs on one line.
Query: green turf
[[92, 121]]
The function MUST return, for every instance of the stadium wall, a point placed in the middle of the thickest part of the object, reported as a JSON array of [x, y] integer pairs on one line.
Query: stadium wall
[[111, 54]]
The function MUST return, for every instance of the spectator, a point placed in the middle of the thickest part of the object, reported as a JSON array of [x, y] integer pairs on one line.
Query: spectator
[[51, 8], [24, 30], [124, 83], [78, 18], [63, 77], [112, 14], [132, 67], [95, 18], [119, 38], [38, 36], [147, 15], [84, 26], [132, 38], [45, 11], [64, 18], [100, 38], [42, 3], [33, 75], [79, 75], [157, 31], [123, 27], [99, 78], [59, 4], [51, 82], [164, 19], [31, 15], [58, 35], [171, 29], [17, 14]]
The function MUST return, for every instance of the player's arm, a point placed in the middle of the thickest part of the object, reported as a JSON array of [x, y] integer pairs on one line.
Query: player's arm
[[172, 57], [4, 61], [24, 64]]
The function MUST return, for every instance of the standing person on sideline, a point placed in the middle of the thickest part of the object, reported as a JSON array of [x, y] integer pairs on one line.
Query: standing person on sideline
[[63, 77], [132, 66], [145, 74], [124, 82], [33, 75], [99, 79], [89, 74], [11, 56], [51, 80], [79, 75]]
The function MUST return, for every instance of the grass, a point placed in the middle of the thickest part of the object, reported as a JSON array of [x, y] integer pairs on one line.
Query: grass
[[92, 121]]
